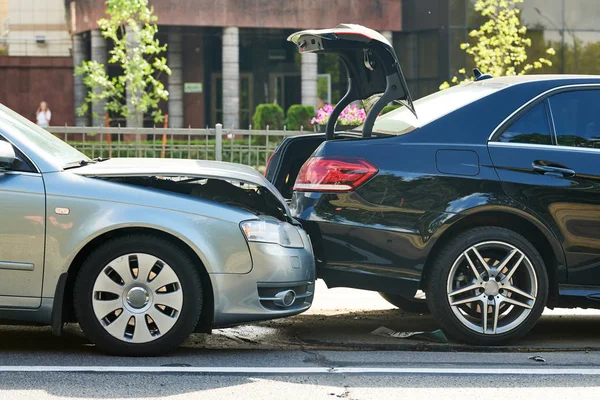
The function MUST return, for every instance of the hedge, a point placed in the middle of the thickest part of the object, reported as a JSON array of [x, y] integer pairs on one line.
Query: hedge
[[268, 115], [299, 116]]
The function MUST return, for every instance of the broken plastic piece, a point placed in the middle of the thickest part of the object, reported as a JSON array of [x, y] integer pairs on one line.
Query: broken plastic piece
[[433, 336], [537, 358]]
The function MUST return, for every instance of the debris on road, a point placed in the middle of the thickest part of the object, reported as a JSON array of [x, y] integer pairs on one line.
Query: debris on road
[[433, 336], [538, 359]]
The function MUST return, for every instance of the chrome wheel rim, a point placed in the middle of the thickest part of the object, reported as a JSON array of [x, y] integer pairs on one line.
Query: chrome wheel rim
[[492, 287], [137, 298]]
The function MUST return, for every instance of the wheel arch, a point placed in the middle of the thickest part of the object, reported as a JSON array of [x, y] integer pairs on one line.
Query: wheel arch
[[515, 220], [68, 314]]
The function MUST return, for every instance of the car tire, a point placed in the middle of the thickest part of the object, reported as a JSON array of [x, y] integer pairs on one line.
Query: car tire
[[153, 289], [512, 296], [410, 306]]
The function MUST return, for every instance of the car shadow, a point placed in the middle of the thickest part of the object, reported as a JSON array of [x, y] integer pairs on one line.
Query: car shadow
[[339, 331]]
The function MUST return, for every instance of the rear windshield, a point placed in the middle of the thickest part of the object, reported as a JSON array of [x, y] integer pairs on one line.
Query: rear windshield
[[432, 107]]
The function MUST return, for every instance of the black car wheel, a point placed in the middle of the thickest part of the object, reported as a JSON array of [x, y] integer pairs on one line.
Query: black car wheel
[[138, 296], [489, 286], [411, 306]]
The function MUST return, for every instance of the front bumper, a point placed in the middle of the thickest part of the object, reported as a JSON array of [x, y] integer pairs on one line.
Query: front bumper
[[241, 298]]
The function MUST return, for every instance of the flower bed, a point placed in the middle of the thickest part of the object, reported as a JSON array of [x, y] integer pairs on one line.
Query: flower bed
[[352, 115]]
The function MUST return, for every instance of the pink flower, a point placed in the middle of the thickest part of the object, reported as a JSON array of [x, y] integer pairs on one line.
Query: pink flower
[[351, 115]]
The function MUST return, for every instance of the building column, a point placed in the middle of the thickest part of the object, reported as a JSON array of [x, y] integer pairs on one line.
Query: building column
[[100, 55], [309, 79], [134, 118], [175, 87], [231, 78], [80, 91]]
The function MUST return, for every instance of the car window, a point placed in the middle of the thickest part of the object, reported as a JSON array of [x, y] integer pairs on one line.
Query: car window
[[40, 139], [532, 128], [577, 118]]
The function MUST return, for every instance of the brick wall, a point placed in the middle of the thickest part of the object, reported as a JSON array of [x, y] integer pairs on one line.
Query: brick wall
[[297, 14], [28, 80]]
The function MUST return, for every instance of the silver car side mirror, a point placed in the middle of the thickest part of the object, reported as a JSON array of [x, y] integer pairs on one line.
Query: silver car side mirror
[[7, 155]]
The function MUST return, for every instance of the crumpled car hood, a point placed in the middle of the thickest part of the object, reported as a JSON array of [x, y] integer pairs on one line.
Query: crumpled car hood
[[122, 167]]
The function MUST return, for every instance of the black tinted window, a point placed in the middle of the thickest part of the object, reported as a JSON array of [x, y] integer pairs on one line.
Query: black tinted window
[[531, 127], [577, 118]]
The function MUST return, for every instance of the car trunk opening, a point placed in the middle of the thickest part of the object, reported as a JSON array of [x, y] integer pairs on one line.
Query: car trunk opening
[[371, 64], [372, 68]]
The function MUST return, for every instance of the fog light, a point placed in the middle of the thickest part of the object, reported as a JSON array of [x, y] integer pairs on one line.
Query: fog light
[[285, 298]]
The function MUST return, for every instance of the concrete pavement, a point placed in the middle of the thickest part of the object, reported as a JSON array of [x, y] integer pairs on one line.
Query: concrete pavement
[[446, 382], [327, 353]]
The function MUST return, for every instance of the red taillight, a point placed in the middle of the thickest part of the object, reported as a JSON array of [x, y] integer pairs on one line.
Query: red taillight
[[333, 174]]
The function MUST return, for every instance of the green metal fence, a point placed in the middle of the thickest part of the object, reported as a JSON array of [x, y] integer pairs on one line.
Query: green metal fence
[[249, 147]]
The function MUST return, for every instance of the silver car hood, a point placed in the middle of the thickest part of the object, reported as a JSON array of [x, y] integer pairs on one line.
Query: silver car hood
[[121, 167]]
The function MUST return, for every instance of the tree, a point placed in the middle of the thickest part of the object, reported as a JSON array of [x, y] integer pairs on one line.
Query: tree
[[131, 26], [500, 45]]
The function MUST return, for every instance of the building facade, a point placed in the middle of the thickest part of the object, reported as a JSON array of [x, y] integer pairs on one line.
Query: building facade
[[36, 28], [429, 45], [229, 56], [35, 58]]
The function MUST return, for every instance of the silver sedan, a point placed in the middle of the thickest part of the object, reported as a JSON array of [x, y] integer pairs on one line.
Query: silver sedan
[[141, 252]]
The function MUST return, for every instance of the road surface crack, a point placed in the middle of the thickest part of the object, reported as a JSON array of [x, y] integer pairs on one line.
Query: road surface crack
[[318, 359]]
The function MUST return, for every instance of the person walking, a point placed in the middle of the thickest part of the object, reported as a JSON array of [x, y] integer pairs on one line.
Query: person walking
[[43, 115]]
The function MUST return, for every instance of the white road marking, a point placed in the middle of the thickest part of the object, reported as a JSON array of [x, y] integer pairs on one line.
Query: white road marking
[[301, 370]]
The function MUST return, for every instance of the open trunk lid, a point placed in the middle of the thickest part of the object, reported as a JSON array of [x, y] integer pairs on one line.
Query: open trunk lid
[[370, 61]]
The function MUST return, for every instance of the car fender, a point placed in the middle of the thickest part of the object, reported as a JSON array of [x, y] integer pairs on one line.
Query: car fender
[[452, 223], [219, 244]]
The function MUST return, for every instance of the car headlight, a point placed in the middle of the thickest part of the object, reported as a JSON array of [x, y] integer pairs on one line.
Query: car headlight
[[272, 231]]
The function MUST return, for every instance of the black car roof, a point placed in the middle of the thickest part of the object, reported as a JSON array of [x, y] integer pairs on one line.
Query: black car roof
[[481, 117], [560, 79]]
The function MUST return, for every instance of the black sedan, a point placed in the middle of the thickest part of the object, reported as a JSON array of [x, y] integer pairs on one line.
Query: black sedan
[[485, 196]]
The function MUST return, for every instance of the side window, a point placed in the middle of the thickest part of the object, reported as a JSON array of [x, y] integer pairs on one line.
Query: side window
[[532, 127], [577, 118]]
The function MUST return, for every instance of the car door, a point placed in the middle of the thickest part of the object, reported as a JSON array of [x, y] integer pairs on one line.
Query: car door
[[548, 158], [22, 235]]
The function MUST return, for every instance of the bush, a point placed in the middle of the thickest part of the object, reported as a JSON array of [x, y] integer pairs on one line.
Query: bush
[[299, 116], [387, 109], [268, 114]]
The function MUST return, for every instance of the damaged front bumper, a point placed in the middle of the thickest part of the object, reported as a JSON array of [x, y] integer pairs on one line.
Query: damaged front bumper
[[281, 283]]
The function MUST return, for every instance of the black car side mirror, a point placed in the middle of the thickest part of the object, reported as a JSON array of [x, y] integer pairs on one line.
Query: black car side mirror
[[7, 155]]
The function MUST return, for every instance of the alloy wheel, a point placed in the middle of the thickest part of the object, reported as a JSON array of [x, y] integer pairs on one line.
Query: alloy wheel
[[137, 298], [492, 287]]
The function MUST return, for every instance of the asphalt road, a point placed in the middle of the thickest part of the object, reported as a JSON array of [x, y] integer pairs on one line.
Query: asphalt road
[[328, 353]]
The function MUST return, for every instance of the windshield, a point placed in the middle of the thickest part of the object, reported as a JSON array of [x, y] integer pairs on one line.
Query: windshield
[[40, 139], [432, 107]]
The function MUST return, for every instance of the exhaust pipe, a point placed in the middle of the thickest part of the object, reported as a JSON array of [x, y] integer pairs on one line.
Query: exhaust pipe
[[285, 298]]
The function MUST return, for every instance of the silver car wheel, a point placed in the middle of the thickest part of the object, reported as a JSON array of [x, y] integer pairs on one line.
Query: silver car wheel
[[492, 287], [137, 298]]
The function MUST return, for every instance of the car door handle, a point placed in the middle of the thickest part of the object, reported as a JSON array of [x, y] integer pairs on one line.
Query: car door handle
[[546, 168]]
